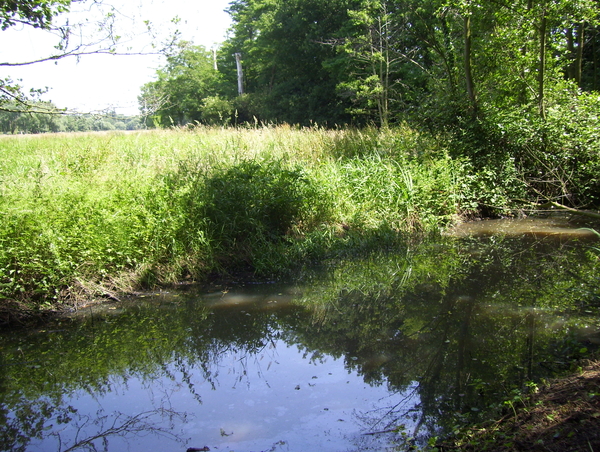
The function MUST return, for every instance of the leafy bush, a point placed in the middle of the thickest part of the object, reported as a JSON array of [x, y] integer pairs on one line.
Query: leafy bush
[[216, 110], [559, 155], [251, 203]]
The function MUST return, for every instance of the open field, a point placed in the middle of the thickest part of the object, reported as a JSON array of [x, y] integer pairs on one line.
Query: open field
[[100, 213]]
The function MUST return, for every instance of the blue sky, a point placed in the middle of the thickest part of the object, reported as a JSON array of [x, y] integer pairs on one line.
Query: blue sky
[[97, 82]]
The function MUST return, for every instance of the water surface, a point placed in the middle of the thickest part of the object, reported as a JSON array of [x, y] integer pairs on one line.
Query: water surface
[[371, 353]]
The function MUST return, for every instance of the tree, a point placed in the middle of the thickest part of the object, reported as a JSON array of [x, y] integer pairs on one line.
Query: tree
[[282, 46], [371, 58], [532, 46], [178, 95], [34, 13], [16, 118], [590, 79], [381, 63], [19, 119]]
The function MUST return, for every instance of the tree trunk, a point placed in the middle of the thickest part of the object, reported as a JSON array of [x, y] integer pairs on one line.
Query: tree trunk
[[570, 70], [385, 79], [542, 65], [240, 73], [468, 69], [523, 93], [579, 54], [448, 55], [575, 48]]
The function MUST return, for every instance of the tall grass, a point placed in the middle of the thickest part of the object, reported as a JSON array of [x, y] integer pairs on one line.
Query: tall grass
[[96, 214]]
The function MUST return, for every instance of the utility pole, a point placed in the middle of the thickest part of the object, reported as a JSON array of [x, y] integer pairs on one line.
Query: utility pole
[[214, 51], [240, 74]]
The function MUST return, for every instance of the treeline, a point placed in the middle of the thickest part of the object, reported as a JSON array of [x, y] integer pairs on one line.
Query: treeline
[[381, 61], [45, 117]]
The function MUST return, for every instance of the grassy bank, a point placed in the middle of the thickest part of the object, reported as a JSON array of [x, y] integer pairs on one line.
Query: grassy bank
[[96, 214]]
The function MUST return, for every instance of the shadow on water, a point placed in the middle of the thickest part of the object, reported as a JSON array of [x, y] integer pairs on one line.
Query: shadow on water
[[379, 352]]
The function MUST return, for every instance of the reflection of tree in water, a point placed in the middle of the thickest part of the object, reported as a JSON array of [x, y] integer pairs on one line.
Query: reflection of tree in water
[[100, 429], [234, 336], [457, 334], [24, 422], [399, 422], [442, 325], [73, 431], [181, 344]]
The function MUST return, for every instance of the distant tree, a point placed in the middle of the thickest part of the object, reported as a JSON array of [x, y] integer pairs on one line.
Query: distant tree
[[133, 123], [8, 121], [28, 121], [120, 125], [17, 118], [177, 96]]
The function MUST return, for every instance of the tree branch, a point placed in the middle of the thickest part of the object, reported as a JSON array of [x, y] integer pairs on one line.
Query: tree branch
[[77, 53], [586, 213]]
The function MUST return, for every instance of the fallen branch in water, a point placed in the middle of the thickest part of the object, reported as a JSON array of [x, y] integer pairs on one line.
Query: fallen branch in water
[[555, 205], [382, 432]]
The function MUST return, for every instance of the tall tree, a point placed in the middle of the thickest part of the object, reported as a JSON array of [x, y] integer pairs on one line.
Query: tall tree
[[283, 55], [450, 60], [369, 70], [515, 52]]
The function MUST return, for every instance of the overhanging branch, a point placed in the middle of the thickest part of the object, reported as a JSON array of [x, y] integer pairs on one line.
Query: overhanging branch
[[77, 53]]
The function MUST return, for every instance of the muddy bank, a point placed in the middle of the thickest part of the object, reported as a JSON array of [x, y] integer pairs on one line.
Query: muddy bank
[[558, 225]]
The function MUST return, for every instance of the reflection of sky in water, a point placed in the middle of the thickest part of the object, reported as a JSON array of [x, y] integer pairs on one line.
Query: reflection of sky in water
[[276, 398], [467, 319]]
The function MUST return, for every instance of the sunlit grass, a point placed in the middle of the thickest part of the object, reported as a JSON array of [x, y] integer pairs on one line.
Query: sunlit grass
[[98, 213]]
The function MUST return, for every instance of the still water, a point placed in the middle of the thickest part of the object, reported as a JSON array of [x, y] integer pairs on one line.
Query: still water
[[372, 353]]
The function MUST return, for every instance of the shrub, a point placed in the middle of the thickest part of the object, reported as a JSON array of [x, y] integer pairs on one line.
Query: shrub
[[251, 203], [216, 111], [559, 155]]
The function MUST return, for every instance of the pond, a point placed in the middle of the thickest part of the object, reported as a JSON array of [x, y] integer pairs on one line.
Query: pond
[[371, 353]]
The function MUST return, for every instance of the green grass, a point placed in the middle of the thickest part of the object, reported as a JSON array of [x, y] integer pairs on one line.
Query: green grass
[[90, 214]]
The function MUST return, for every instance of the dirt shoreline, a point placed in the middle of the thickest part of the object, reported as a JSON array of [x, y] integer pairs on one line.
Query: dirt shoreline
[[563, 416]]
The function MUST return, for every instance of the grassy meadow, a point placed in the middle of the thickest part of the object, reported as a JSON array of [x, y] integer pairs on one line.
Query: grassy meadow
[[98, 214]]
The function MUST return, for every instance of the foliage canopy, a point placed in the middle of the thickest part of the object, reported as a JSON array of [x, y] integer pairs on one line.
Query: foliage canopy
[[36, 13]]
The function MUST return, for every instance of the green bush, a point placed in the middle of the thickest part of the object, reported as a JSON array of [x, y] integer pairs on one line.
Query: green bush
[[252, 203], [559, 155], [216, 111]]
